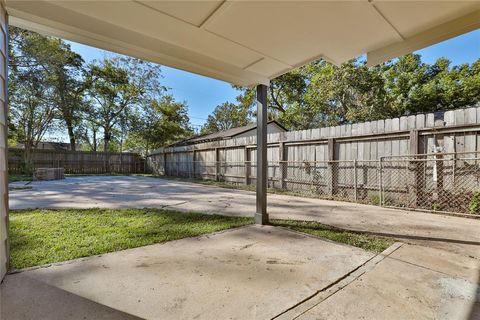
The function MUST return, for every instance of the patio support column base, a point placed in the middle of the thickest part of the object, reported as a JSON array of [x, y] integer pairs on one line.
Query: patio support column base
[[261, 219], [261, 215]]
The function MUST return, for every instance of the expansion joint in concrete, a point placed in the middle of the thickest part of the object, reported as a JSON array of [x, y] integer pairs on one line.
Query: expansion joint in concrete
[[323, 294]]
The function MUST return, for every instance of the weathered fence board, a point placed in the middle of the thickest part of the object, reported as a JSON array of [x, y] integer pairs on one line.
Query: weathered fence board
[[360, 141], [77, 162]]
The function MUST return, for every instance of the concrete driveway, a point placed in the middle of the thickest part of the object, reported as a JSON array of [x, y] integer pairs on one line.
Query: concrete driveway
[[455, 234]]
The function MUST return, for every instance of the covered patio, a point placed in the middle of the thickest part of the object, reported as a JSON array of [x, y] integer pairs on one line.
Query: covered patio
[[246, 43]]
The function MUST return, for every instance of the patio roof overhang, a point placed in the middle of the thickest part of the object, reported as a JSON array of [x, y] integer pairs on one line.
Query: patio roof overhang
[[249, 42]]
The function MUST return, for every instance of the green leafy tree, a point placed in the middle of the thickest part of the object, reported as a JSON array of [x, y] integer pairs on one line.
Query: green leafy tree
[[161, 123], [116, 87], [227, 116], [321, 94], [68, 87], [31, 113], [348, 93], [60, 70], [30, 93]]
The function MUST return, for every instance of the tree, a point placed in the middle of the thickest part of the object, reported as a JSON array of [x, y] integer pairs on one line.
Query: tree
[[61, 69], [115, 88], [342, 94], [227, 116], [31, 114], [163, 122], [68, 88], [30, 93], [321, 94]]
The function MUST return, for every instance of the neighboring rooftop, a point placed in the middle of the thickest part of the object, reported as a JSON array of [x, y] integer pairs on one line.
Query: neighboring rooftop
[[51, 145], [248, 130]]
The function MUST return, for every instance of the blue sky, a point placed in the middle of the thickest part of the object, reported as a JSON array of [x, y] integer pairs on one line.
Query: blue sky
[[203, 94]]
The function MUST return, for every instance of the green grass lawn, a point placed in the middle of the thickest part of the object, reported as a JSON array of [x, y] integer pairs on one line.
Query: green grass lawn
[[19, 177], [356, 239], [44, 236]]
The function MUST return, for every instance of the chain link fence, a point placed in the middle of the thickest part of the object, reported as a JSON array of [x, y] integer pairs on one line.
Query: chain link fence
[[442, 182], [445, 182]]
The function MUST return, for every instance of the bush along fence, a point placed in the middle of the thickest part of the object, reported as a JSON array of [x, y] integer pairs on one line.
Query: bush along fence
[[425, 161], [77, 162]]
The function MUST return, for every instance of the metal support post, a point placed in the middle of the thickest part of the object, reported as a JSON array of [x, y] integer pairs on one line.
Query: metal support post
[[261, 215]]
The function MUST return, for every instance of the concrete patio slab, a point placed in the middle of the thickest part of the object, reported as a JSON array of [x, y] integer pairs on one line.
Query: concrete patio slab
[[400, 289], [446, 232], [247, 273]]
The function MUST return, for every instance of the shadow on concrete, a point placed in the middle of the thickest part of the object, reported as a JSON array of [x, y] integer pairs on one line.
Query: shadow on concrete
[[24, 298]]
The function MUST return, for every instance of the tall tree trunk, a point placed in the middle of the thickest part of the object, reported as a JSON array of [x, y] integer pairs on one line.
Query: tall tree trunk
[[71, 135], [106, 142], [94, 140], [27, 158], [121, 154]]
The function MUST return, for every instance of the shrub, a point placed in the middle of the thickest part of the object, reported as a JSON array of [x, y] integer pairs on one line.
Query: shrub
[[387, 201], [474, 205]]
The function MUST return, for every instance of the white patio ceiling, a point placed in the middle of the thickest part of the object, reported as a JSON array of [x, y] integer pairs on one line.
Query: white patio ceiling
[[249, 42]]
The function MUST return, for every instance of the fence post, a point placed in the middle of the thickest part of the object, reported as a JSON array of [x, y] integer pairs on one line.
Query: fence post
[[246, 158], [165, 163], [283, 166], [171, 160], [440, 178], [332, 184], [82, 159], [121, 162], [179, 162], [454, 167], [355, 187], [380, 181], [415, 165], [194, 155], [217, 165]]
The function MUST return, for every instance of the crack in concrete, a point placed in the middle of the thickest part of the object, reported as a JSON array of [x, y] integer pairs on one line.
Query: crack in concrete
[[248, 246], [172, 205]]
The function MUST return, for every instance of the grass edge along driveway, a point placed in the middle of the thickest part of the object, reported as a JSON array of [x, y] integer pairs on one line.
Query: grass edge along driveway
[[42, 236]]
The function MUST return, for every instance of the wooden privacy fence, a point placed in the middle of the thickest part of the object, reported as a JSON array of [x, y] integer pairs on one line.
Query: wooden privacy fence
[[357, 162], [77, 162]]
